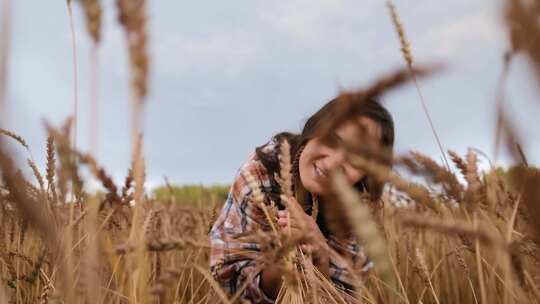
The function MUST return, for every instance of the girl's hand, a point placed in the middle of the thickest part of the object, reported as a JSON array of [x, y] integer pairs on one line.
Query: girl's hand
[[300, 224]]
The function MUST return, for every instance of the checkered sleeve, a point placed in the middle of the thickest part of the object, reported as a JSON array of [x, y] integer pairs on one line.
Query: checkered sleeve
[[233, 261], [347, 255]]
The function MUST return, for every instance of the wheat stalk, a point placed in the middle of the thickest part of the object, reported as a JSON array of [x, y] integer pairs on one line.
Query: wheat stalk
[[425, 272], [453, 227], [258, 198], [407, 55], [93, 12], [38, 176], [285, 177], [287, 294], [364, 226], [420, 163], [132, 17], [51, 168], [75, 74], [16, 137], [101, 175], [350, 101], [405, 45], [522, 21], [384, 174]]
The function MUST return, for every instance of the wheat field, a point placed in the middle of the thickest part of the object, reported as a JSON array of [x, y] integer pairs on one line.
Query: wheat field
[[464, 236]]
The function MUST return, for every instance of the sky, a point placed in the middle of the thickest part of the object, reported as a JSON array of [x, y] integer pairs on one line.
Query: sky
[[227, 75]]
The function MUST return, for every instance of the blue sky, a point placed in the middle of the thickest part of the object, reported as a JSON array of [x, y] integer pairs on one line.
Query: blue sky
[[226, 75]]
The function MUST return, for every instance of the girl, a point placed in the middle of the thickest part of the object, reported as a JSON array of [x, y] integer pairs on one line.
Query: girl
[[235, 264]]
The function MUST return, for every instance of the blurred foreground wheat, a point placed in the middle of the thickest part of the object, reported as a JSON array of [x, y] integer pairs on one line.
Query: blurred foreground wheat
[[464, 236]]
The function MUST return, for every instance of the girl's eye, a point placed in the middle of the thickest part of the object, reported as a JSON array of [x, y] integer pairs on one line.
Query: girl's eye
[[332, 140]]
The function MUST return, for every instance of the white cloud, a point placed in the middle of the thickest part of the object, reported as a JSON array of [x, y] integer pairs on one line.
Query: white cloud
[[304, 19], [180, 53], [473, 31]]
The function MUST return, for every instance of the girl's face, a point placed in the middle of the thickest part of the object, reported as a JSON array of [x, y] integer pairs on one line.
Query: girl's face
[[319, 158]]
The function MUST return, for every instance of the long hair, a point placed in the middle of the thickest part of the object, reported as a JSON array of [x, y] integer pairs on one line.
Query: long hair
[[370, 109]]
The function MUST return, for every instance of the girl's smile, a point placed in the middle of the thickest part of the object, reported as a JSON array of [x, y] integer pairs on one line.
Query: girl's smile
[[320, 157]]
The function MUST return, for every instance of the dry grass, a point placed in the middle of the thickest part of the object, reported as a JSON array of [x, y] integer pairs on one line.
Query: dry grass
[[471, 242], [455, 253]]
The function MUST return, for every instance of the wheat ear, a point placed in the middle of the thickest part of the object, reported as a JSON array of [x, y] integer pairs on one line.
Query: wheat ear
[[258, 197], [407, 55], [16, 137], [364, 226]]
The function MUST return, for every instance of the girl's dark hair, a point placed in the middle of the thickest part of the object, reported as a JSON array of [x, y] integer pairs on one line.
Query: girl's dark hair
[[371, 109]]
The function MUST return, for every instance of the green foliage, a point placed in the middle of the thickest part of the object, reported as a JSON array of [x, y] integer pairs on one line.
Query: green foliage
[[193, 195]]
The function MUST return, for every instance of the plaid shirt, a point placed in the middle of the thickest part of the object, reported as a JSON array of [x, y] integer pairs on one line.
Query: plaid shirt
[[233, 261]]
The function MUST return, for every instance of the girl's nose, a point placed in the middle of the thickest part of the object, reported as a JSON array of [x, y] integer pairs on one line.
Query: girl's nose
[[337, 159]]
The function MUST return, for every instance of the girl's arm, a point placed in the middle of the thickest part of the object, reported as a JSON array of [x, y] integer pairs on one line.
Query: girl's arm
[[233, 260], [347, 256]]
